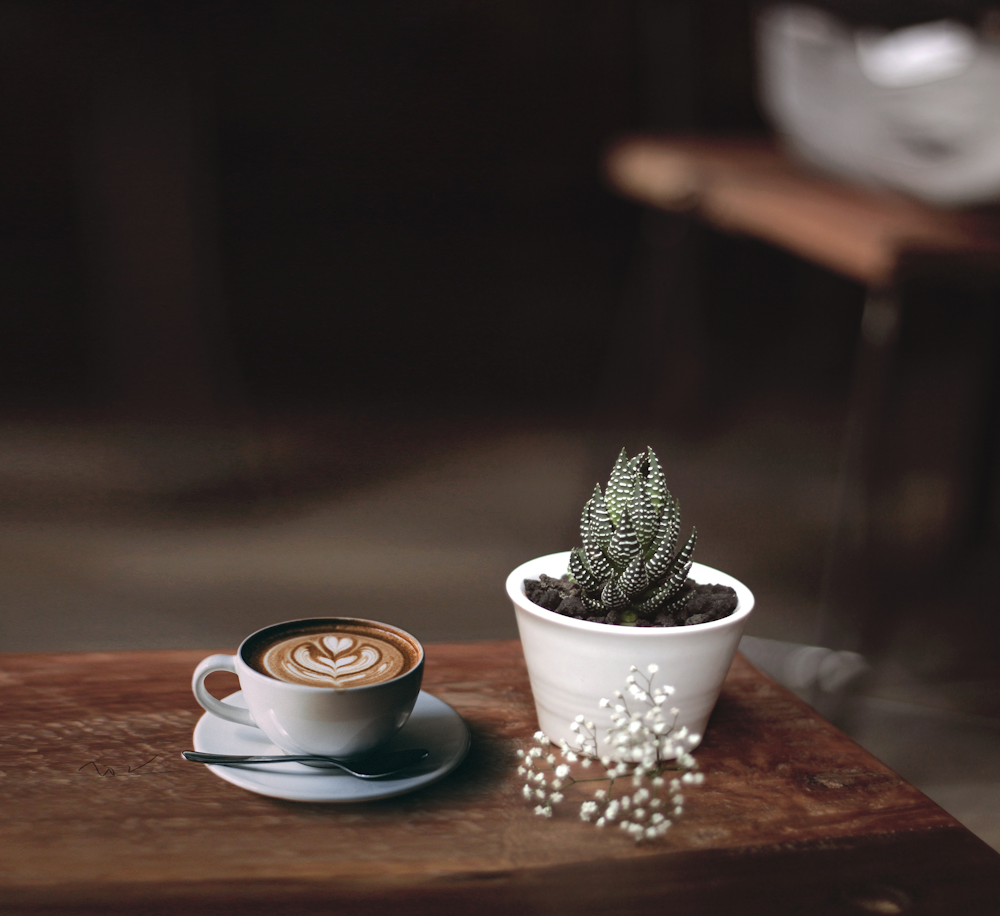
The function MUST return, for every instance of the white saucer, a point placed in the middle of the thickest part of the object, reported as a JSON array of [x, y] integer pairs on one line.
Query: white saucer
[[433, 724]]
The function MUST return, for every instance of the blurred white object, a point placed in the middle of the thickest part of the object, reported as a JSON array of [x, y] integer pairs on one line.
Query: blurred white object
[[824, 678], [916, 55], [917, 109]]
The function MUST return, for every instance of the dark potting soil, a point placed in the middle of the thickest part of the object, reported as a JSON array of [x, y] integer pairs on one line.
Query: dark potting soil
[[564, 596]]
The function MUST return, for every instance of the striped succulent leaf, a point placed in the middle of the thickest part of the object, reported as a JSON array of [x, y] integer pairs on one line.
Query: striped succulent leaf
[[624, 543], [619, 488], [629, 560]]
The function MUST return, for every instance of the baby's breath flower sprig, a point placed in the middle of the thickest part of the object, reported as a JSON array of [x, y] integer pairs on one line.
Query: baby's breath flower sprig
[[643, 745]]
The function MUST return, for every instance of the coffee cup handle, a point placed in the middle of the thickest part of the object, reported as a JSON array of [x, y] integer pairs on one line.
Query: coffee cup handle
[[223, 710]]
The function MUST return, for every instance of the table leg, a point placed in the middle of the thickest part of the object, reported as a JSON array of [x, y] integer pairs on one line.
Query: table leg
[[844, 591]]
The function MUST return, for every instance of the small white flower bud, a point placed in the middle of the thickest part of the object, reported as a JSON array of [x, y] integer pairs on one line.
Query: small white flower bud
[[605, 702], [652, 668]]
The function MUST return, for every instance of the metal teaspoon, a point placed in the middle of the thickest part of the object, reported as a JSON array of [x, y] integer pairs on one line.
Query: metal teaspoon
[[370, 766]]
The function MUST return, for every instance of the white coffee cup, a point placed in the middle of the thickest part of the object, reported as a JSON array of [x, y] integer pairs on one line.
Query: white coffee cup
[[337, 721]]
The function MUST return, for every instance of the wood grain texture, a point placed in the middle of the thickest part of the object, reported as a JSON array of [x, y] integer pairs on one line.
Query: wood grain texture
[[793, 817], [751, 187]]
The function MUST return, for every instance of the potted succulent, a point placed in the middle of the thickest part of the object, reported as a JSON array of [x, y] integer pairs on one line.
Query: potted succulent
[[627, 597]]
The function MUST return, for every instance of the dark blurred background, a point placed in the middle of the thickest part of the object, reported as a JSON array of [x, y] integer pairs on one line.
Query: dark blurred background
[[327, 308], [305, 202]]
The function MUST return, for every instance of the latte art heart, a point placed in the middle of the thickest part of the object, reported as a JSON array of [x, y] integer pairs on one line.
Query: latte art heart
[[338, 661], [333, 660]]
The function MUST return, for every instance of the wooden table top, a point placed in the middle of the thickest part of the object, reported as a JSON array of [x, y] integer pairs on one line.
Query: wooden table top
[[751, 186], [793, 817]]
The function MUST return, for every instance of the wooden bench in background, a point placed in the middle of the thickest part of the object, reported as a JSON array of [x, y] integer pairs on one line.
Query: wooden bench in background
[[886, 242]]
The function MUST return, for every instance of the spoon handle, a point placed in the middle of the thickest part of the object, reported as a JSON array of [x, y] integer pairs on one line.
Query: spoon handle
[[373, 766], [200, 757]]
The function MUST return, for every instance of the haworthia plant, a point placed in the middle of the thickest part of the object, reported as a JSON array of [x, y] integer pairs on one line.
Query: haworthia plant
[[629, 562]]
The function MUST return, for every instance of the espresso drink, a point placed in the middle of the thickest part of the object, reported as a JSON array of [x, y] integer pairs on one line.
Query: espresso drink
[[332, 653]]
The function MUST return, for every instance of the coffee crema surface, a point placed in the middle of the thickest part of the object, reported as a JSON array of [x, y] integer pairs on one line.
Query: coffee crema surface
[[337, 655]]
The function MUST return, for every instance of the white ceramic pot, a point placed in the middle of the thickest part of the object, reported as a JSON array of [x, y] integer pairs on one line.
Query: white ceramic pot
[[573, 663]]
